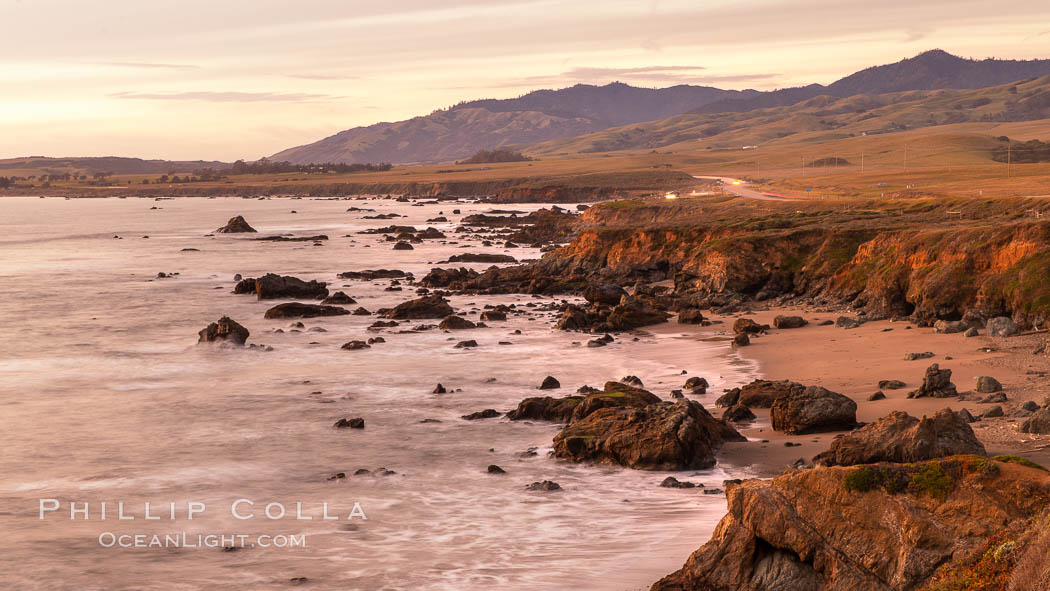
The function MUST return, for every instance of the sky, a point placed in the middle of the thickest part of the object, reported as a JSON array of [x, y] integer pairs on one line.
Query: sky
[[224, 79]]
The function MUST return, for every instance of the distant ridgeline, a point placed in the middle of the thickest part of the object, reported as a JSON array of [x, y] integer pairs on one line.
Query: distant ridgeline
[[1023, 152], [492, 156]]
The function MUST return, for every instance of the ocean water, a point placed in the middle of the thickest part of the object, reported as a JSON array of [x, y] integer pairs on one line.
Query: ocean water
[[105, 396]]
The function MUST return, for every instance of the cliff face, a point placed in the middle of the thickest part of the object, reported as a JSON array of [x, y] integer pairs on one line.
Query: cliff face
[[910, 262], [825, 529]]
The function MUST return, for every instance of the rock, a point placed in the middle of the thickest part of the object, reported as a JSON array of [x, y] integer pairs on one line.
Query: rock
[[477, 257], [403, 246], [937, 383], [812, 410], [466, 344], [361, 311], [988, 384], [847, 322], [605, 294], [225, 331], [661, 436], [439, 389], [357, 423], [877, 396], [633, 381], [891, 384], [789, 322], [356, 345], [425, 307], [298, 310], [550, 383], [493, 316], [738, 413], [971, 332], [696, 385], [494, 469], [759, 393], [454, 322], [901, 438], [966, 416], [949, 326], [593, 343], [993, 412], [994, 398], [691, 316], [1030, 406], [545, 486], [915, 356], [272, 286], [488, 413], [741, 340], [1001, 326], [236, 225], [338, 299], [574, 408], [748, 326], [373, 274], [806, 531], [672, 482]]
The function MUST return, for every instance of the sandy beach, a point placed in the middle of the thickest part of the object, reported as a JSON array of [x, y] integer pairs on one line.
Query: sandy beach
[[853, 361]]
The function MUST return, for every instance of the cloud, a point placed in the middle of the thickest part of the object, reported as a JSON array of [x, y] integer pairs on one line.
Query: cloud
[[150, 66], [645, 75], [226, 97], [322, 76], [915, 34]]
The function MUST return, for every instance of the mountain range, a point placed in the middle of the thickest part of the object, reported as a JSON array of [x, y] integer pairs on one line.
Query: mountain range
[[551, 115]]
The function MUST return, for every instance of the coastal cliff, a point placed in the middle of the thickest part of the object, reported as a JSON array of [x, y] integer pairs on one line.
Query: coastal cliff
[[964, 522], [922, 259]]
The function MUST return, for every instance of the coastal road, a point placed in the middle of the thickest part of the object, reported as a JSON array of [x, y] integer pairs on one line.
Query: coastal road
[[740, 189]]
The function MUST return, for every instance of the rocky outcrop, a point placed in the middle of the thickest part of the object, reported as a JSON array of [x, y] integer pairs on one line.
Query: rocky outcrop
[[605, 294], [660, 436], [812, 410], [900, 437], [937, 383], [226, 331], [630, 313], [759, 393], [272, 286], [236, 225], [574, 408], [481, 257], [299, 310], [453, 322], [841, 529], [424, 307], [1038, 423]]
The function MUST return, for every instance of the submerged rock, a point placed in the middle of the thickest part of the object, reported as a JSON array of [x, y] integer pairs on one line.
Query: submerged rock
[[900, 437], [299, 310], [236, 225], [272, 286], [225, 330], [660, 436], [453, 322], [424, 307], [550, 383]]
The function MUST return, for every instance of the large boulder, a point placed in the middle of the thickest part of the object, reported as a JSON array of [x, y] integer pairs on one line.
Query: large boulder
[[789, 322], [299, 310], [950, 326], [1038, 423], [988, 385], [629, 314], [900, 437], [937, 383], [424, 307], [273, 287], [1001, 326], [574, 408], [660, 436], [814, 409], [605, 294], [759, 393], [226, 330], [236, 225], [453, 322], [809, 530], [748, 326]]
